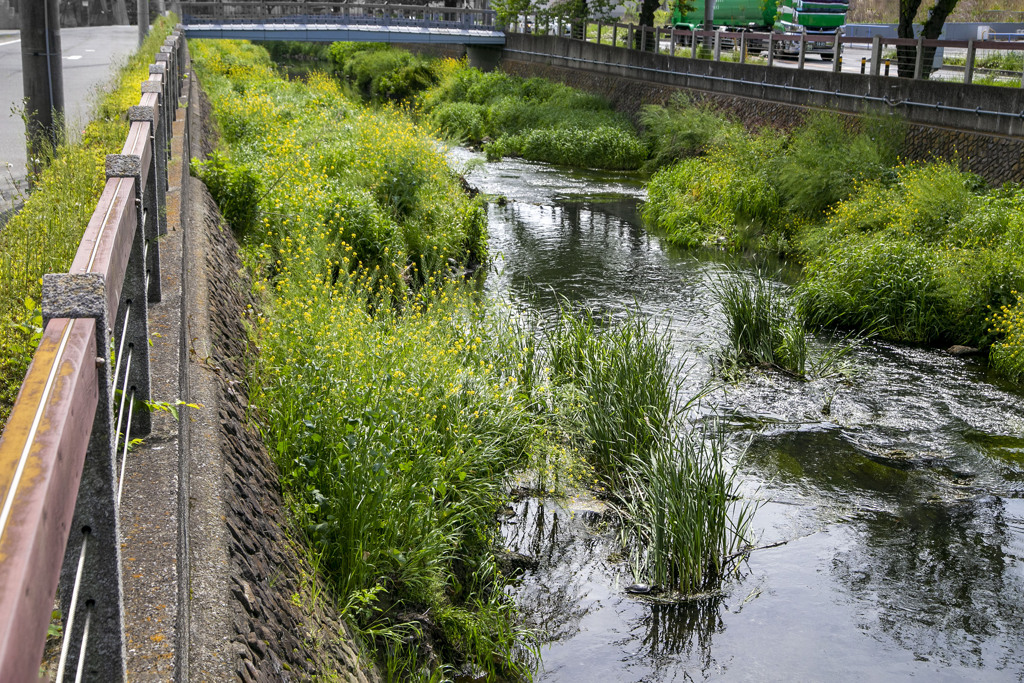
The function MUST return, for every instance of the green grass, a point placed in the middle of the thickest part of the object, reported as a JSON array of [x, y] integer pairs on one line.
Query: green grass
[[44, 236], [761, 326], [680, 129], [917, 252]]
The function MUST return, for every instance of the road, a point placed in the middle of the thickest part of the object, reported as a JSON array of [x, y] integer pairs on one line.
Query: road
[[89, 55]]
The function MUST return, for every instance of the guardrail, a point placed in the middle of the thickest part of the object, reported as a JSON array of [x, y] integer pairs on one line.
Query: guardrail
[[715, 45], [260, 11], [62, 452]]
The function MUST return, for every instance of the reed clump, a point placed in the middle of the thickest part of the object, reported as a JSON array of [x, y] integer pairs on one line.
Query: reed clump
[[44, 236]]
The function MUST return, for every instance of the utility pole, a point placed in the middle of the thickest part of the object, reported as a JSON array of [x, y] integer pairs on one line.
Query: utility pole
[[143, 14], [42, 76], [709, 15]]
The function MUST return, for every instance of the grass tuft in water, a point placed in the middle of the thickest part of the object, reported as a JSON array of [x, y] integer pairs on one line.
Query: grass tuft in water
[[681, 521], [762, 327]]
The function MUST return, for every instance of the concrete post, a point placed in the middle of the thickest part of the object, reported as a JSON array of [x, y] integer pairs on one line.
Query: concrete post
[[771, 49], [615, 34], [135, 294], [599, 27], [837, 52], [42, 76], [153, 201], [743, 48], [693, 44], [969, 64], [919, 61], [876, 55], [96, 520], [143, 18], [718, 46], [672, 42], [802, 54]]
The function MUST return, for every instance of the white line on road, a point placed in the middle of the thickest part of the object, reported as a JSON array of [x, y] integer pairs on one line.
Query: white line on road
[[11, 42]]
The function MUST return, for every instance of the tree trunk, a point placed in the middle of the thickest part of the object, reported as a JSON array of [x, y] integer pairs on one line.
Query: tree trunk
[[933, 28], [906, 54], [646, 23]]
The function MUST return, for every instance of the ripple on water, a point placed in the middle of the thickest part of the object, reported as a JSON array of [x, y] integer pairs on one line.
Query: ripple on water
[[897, 491]]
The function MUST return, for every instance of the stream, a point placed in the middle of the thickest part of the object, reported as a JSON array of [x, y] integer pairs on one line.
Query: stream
[[893, 496]]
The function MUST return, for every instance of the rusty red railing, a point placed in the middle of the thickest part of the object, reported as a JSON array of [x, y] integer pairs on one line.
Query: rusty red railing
[[58, 452]]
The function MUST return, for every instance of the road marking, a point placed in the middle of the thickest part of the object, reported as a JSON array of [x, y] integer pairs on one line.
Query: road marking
[[73, 57], [11, 42]]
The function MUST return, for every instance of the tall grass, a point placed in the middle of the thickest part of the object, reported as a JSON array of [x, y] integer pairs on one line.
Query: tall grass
[[679, 130], [682, 524], [762, 328], [623, 369], [44, 236]]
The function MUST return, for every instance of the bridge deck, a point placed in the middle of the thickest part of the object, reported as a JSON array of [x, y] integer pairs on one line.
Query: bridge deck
[[413, 32]]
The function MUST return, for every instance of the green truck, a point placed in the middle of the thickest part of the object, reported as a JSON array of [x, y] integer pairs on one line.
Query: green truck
[[819, 18]]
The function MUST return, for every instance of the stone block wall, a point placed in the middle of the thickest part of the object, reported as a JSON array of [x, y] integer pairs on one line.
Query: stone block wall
[[997, 158]]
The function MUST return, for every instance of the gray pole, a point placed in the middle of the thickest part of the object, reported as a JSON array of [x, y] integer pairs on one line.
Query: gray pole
[[42, 76], [143, 14], [709, 14]]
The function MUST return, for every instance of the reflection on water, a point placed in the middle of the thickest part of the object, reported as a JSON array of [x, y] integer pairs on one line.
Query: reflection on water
[[894, 494]]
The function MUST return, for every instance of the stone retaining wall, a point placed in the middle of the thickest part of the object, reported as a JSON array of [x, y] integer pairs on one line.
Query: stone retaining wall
[[995, 157]]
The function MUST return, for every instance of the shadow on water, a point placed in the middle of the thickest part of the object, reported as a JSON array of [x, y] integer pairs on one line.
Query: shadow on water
[[894, 492]]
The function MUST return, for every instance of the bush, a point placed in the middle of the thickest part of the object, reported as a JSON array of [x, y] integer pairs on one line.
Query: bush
[[601, 147], [460, 121], [1007, 354], [234, 187], [827, 158], [678, 130]]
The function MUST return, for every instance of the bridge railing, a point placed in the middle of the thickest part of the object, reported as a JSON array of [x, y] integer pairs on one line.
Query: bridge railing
[[964, 56], [83, 401], [262, 11]]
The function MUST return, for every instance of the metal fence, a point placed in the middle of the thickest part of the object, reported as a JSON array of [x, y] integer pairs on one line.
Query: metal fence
[[263, 12], [83, 401], [993, 62]]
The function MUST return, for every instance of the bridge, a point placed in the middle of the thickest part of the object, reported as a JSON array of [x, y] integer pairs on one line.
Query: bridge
[[332, 21]]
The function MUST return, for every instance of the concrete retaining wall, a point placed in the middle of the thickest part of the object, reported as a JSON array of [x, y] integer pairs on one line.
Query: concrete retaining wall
[[989, 145]]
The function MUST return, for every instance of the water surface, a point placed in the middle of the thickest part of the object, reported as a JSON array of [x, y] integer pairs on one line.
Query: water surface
[[894, 493]]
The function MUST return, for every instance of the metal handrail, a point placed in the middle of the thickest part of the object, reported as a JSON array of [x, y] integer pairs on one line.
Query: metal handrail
[[57, 457]]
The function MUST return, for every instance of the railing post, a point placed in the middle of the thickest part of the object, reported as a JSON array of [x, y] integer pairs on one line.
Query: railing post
[[876, 55], [693, 43], [643, 39], [743, 47], [919, 61], [672, 42], [837, 52], [718, 46], [969, 64], [615, 34], [629, 37], [771, 49], [599, 27], [802, 53]]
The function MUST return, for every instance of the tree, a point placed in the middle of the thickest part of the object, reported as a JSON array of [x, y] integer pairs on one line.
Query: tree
[[646, 19], [906, 56]]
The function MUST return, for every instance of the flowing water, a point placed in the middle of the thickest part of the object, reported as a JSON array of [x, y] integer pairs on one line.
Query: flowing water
[[892, 532]]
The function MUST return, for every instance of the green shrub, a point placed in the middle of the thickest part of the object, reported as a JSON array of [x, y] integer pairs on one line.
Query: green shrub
[[726, 198], [234, 187], [678, 130], [826, 159], [1007, 354], [601, 147], [460, 121]]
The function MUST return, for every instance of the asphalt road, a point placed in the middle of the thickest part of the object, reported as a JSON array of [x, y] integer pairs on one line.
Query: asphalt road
[[90, 55]]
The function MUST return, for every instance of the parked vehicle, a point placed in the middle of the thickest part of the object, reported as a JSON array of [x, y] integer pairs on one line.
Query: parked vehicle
[[817, 18]]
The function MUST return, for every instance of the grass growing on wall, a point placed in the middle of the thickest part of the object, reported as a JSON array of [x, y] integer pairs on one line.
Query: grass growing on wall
[[44, 236]]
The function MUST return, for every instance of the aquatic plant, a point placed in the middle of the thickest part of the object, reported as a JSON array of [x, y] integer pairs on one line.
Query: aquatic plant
[[681, 520], [629, 385], [761, 326]]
